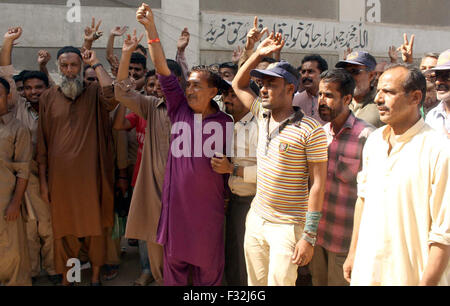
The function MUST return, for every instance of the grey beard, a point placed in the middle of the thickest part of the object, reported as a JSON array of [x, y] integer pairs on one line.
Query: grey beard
[[71, 88]]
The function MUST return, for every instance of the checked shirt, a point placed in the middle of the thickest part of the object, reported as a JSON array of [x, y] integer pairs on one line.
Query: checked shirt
[[344, 163]]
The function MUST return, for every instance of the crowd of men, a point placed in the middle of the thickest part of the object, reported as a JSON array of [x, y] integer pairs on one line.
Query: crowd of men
[[250, 172]]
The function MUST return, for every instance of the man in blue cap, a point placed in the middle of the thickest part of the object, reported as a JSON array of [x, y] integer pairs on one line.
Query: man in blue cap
[[361, 65], [282, 223], [439, 117]]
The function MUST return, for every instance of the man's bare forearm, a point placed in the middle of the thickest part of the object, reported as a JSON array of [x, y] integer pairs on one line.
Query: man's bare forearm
[[120, 121], [104, 78], [359, 206], [438, 259], [21, 186], [110, 48], [5, 53], [318, 179], [156, 51]]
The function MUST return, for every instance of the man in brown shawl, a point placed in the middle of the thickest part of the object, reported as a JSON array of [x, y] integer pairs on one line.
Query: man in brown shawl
[[75, 156]]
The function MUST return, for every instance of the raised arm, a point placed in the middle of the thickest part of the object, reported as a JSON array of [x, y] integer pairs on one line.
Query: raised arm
[[90, 58], [145, 16], [43, 58], [8, 41], [241, 83], [124, 88], [110, 57], [407, 49], [120, 122], [183, 42], [91, 34], [253, 36]]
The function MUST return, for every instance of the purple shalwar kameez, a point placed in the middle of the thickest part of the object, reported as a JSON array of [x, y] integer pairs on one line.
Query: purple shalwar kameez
[[192, 216]]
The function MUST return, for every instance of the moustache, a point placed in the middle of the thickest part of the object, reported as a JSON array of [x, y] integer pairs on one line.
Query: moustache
[[307, 80]]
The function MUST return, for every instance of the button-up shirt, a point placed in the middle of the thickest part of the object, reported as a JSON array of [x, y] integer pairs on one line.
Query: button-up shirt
[[367, 110], [438, 119], [245, 143], [344, 163], [406, 196], [309, 105], [15, 155]]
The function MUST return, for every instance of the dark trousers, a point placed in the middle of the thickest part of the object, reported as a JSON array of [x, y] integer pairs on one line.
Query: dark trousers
[[235, 268]]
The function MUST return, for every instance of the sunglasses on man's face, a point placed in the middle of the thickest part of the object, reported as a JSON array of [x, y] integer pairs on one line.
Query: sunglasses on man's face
[[443, 75], [355, 71]]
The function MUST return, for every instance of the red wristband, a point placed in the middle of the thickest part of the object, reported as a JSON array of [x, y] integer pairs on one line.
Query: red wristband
[[151, 41]]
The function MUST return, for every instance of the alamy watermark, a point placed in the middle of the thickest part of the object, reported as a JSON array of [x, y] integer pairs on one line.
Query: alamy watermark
[[188, 143], [74, 13]]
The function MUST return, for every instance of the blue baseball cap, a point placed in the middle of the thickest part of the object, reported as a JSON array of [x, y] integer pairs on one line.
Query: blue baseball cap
[[361, 58], [443, 61], [278, 70], [226, 85]]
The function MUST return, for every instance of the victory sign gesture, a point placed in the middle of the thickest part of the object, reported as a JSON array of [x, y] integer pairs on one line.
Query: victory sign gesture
[[131, 42]]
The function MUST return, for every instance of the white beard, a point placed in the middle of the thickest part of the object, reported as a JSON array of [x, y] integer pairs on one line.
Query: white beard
[[71, 88]]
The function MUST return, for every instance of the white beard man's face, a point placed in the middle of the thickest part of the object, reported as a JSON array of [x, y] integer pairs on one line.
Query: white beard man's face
[[71, 87]]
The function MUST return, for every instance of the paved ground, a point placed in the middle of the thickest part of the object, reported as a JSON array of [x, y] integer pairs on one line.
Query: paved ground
[[128, 272]]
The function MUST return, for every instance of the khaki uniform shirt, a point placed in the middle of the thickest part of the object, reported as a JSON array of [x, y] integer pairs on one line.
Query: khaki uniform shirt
[[367, 110], [15, 156]]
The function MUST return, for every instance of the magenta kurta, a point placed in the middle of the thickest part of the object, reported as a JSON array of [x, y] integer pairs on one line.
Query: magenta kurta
[[192, 216]]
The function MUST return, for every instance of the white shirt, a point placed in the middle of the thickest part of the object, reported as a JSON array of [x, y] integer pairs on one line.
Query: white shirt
[[406, 206], [245, 143], [438, 119]]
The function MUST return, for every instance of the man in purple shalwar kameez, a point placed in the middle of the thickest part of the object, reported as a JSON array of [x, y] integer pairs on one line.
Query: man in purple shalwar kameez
[[192, 216]]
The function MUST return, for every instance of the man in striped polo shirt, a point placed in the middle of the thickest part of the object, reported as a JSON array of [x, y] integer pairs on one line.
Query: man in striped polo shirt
[[282, 222]]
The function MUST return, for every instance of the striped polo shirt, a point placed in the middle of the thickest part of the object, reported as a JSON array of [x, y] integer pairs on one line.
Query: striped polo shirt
[[282, 161]]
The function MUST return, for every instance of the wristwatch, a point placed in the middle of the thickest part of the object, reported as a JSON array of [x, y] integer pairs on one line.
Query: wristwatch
[[235, 169], [96, 65], [309, 239]]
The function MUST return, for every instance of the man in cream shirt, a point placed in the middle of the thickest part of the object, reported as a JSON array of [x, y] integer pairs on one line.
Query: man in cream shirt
[[402, 220]]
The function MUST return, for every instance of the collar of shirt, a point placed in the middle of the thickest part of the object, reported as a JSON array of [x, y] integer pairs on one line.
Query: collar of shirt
[[161, 102], [293, 118], [6, 118], [439, 111], [246, 119], [34, 114], [348, 124], [405, 137], [369, 98]]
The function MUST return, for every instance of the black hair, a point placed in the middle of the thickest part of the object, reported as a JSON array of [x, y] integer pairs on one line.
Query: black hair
[[36, 75], [342, 77], [229, 65], [137, 58], [142, 48], [5, 84], [322, 64], [149, 74], [19, 77], [415, 80], [68, 49], [213, 78], [174, 67]]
